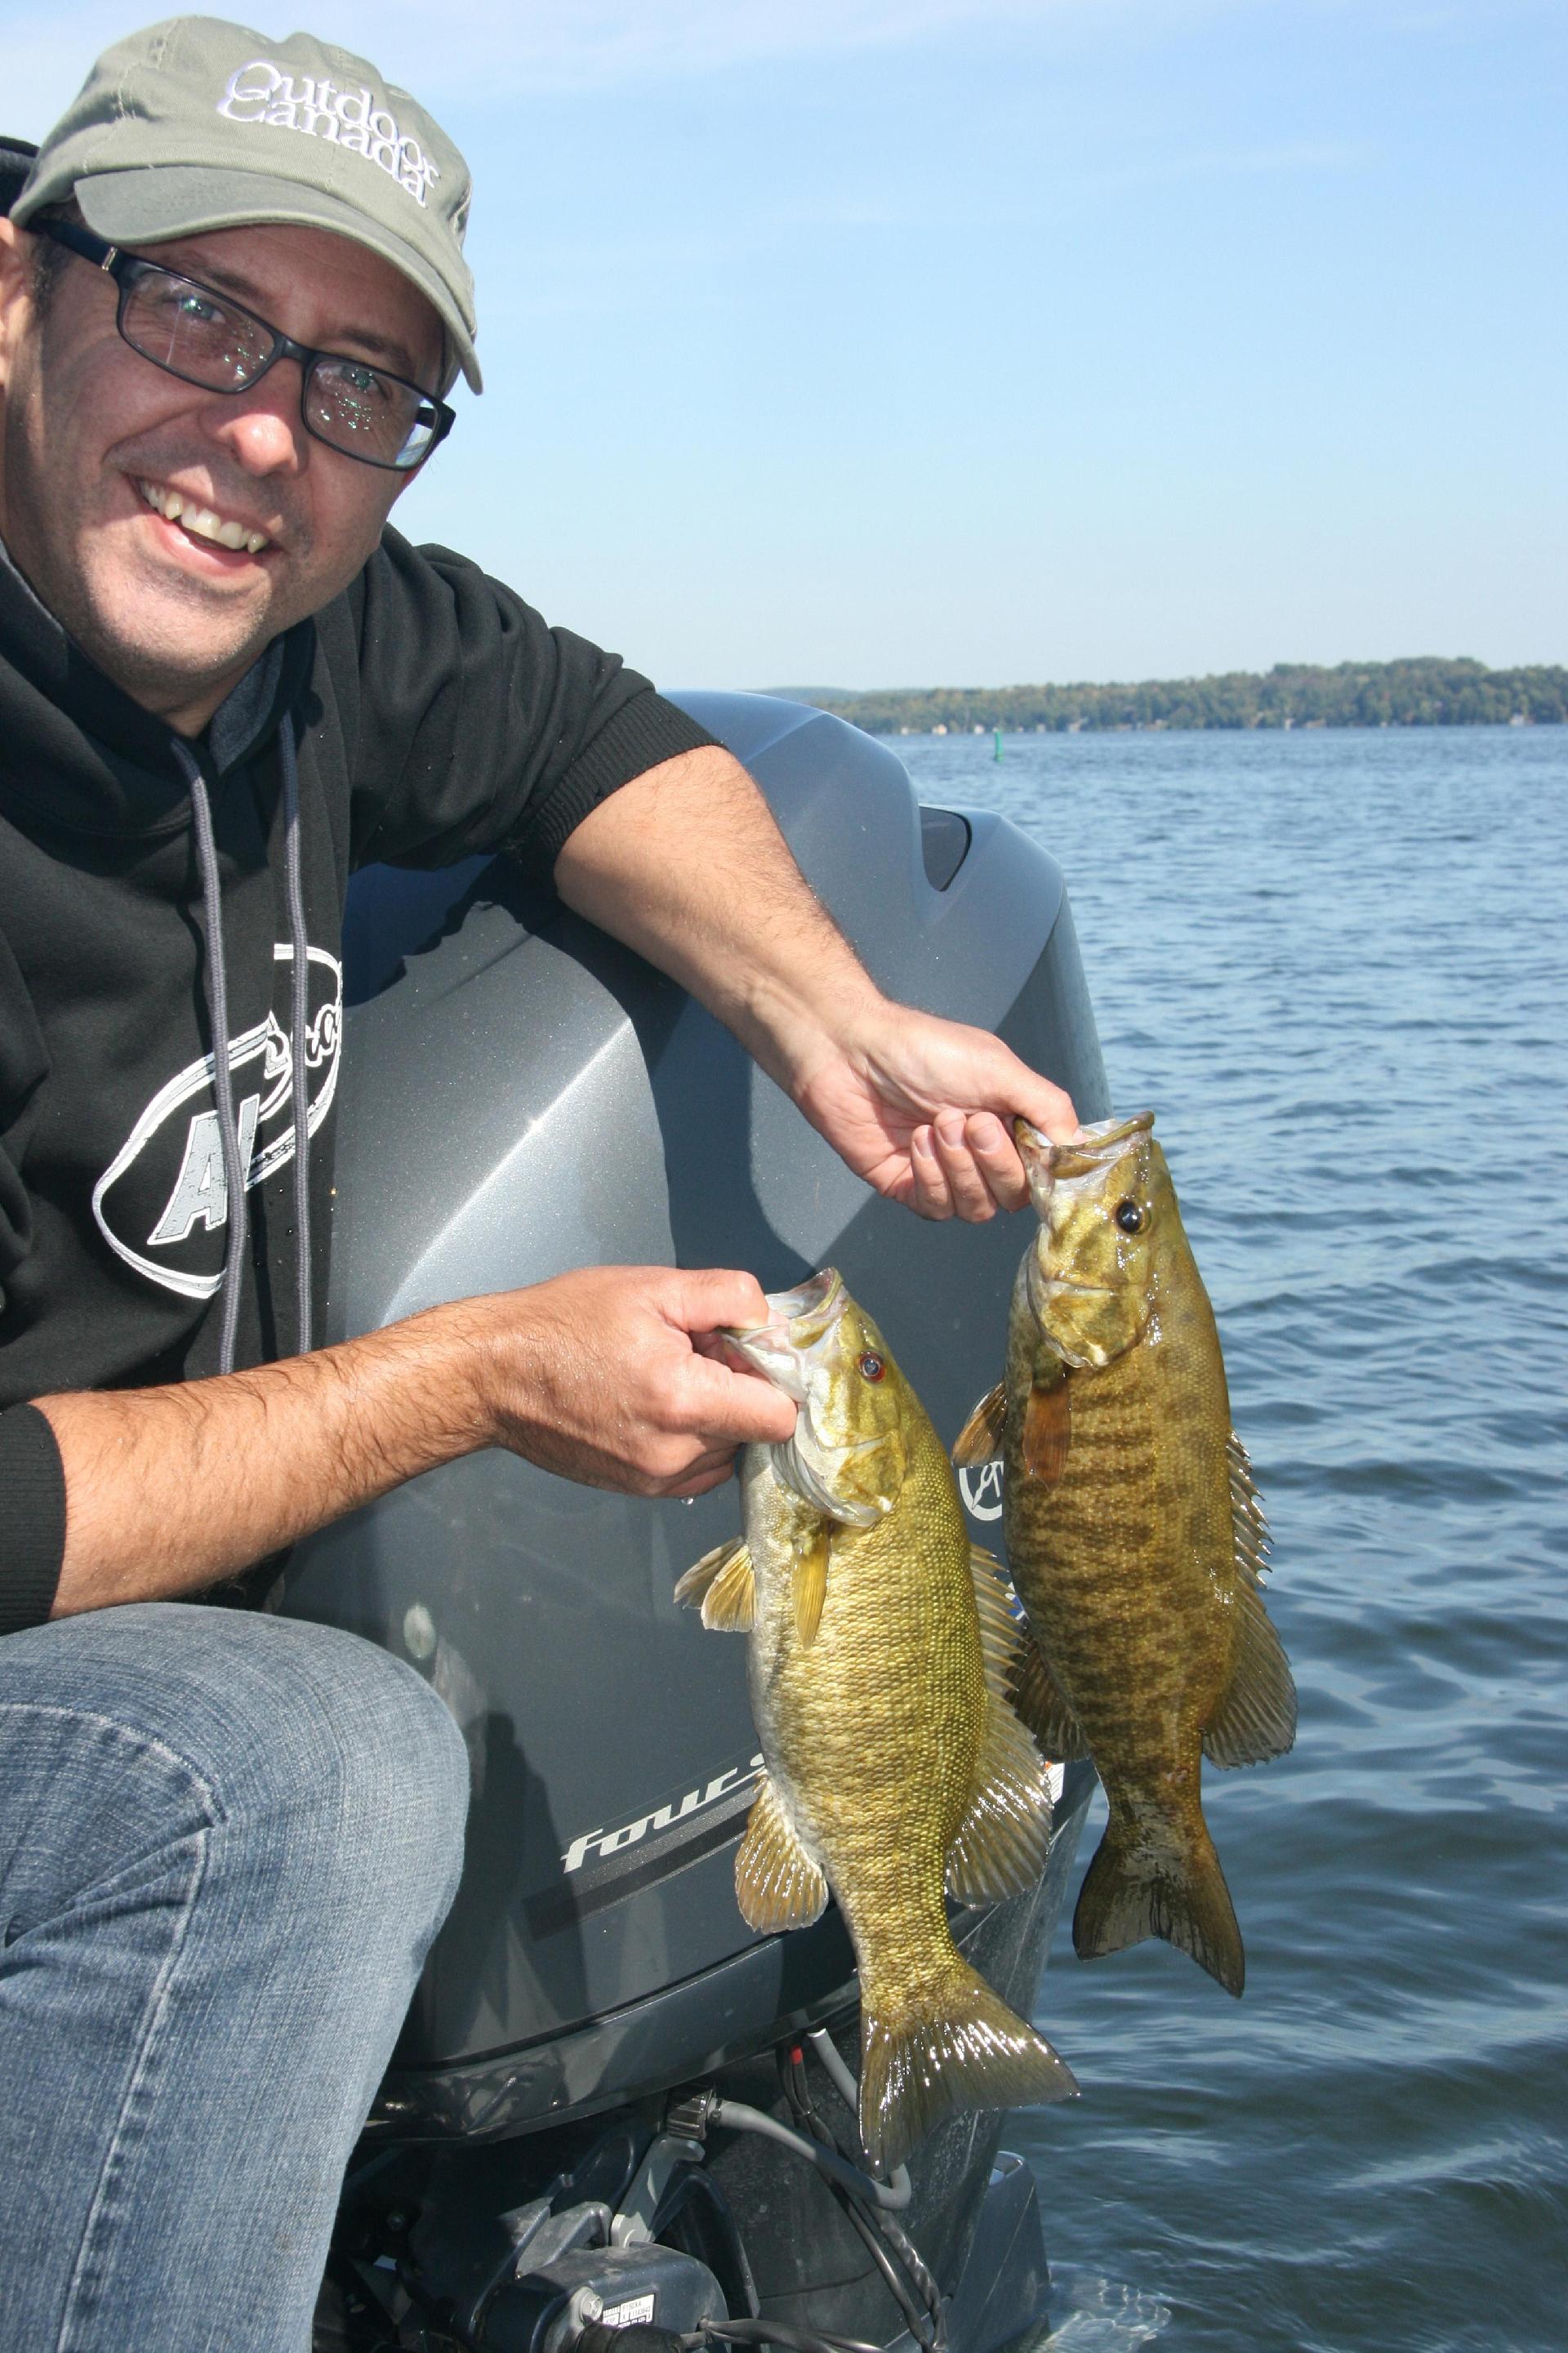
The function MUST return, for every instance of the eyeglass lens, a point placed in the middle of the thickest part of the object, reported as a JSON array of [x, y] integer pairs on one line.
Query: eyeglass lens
[[347, 403]]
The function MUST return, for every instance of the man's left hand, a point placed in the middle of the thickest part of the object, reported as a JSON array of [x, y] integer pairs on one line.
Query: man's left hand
[[924, 1110]]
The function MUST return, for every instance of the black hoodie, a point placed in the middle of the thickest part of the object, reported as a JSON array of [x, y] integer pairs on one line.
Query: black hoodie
[[432, 715]]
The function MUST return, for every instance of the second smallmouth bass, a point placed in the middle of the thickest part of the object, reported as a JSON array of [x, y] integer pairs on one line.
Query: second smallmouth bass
[[1134, 1536], [880, 1662]]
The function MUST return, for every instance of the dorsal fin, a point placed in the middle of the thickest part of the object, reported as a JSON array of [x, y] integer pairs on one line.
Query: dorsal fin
[[1248, 1524], [1000, 1847], [1001, 1628], [1255, 1718], [1015, 1666]]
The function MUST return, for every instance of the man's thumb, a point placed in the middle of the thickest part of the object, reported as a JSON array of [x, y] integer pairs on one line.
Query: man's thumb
[[710, 1299]]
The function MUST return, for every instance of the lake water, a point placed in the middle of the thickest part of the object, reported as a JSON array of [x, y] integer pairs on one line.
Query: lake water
[[1334, 965]]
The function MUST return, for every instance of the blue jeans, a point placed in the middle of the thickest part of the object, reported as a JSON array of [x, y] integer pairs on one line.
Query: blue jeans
[[226, 1844]]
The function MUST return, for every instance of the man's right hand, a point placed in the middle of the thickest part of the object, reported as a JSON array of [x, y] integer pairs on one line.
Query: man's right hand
[[612, 1376]]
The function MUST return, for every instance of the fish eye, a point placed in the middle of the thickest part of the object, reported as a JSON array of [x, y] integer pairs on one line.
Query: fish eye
[[871, 1367], [1130, 1216]]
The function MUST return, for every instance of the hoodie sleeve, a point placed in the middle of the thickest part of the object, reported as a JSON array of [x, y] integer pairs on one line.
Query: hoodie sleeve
[[32, 1480], [475, 726], [33, 1507]]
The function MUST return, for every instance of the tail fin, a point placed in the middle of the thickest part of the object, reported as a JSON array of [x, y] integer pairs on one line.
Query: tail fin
[[1172, 1886], [961, 2048]]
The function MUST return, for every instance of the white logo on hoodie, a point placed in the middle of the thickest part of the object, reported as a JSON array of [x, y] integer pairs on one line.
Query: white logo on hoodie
[[198, 1197], [982, 1490]]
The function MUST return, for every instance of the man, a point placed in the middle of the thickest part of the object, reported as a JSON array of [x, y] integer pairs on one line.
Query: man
[[232, 296]]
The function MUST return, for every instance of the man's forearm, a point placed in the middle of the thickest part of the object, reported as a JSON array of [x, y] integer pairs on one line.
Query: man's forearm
[[687, 865], [168, 1489], [604, 1375]]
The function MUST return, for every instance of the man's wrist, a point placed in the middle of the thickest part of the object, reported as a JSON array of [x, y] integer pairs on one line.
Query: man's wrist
[[794, 1025], [420, 1393], [844, 1033]]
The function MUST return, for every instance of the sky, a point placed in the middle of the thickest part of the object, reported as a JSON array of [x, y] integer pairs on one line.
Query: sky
[[917, 343]]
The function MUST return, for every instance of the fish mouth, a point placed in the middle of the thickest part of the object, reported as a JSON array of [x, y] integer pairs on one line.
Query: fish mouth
[[1049, 1165], [800, 1324], [820, 1296], [1094, 1146], [792, 1351]]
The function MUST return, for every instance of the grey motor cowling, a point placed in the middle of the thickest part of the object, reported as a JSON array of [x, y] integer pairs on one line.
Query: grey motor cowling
[[521, 1095]]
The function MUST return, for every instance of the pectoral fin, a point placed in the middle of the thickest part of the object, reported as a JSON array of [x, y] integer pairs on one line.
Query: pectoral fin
[[722, 1582], [1048, 1431], [813, 1554], [777, 1885], [980, 1440]]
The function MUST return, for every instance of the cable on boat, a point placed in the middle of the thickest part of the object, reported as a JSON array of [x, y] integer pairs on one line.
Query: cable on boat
[[868, 2204], [739, 2117], [775, 2332], [840, 2073], [844, 2083], [927, 2327]]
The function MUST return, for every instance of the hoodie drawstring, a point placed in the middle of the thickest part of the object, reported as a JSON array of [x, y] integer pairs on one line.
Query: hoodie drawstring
[[235, 1173], [299, 1025], [237, 1227]]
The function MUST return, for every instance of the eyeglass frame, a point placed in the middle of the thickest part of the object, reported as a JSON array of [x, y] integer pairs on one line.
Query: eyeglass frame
[[116, 264]]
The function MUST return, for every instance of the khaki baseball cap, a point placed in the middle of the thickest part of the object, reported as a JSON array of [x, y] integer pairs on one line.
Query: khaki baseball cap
[[199, 124]]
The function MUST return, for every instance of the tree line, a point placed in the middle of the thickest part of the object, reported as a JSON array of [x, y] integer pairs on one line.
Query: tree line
[[1423, 692]]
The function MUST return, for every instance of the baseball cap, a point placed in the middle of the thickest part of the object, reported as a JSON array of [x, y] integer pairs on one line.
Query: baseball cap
[[199, 124]]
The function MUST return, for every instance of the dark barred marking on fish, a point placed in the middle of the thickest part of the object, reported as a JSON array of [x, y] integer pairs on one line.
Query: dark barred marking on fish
[[1135, 1536]]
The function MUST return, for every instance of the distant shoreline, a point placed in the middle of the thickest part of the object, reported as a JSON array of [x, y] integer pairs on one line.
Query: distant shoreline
[[1421, 692]]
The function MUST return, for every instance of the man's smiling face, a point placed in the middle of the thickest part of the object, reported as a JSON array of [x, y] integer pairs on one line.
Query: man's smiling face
[[97, 445]]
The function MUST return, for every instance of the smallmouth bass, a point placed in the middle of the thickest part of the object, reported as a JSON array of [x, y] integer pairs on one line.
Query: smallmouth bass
[[1134, 1536], [879, 1663]]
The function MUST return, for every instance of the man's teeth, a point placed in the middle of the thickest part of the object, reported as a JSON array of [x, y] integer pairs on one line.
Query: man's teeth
[[174, 507]]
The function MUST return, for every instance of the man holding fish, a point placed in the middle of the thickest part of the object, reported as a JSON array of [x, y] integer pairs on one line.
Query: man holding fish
[[232, 297], [132, 487]]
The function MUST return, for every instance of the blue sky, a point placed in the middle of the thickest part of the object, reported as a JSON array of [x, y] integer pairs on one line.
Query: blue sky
[[840, 342]]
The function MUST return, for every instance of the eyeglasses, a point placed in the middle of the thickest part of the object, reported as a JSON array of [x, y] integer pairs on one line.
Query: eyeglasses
[[204, 338]]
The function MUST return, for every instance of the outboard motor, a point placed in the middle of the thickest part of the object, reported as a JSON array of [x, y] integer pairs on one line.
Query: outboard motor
[[615, 2107]]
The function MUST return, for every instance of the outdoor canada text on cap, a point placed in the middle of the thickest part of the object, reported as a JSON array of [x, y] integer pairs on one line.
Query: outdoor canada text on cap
[[197, 124]]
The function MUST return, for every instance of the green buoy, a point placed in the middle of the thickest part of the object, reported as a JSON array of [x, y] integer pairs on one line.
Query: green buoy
[[998, 755]]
